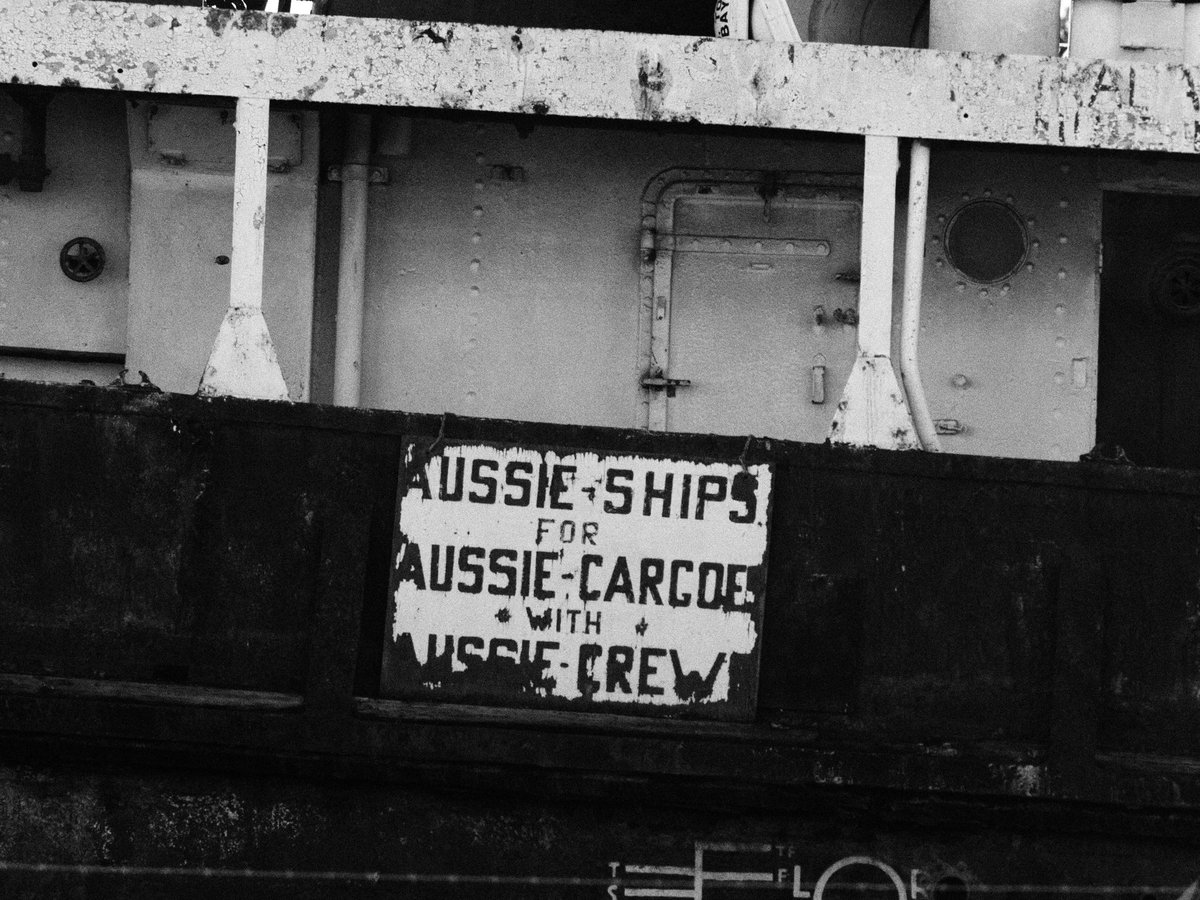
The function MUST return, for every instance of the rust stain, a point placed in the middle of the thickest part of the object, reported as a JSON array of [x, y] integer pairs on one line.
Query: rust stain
[[251, 20], [281, 23], [651, 85], [442, 40], [307, 92], [217, 20]]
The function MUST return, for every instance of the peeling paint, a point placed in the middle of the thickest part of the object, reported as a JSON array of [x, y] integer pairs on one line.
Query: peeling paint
[[217, 19], [896, 91], [307, 92], [437, 38], [651, 84], [611, 578], [281, 23]]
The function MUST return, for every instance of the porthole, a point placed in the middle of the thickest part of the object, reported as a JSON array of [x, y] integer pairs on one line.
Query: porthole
[[986, 241]]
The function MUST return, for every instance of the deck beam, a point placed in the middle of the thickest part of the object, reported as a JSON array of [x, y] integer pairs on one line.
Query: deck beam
[[605, 75]]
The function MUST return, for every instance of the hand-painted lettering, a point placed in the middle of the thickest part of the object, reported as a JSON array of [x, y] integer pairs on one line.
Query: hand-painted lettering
[[613, 485], [485, 482], [585, 576]]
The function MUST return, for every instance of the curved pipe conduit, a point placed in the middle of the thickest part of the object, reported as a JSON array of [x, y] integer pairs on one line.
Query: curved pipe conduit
[[914, 271]]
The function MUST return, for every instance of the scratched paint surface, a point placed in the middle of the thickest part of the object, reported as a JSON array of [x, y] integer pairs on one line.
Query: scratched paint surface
[[577, 576], [609, 75]]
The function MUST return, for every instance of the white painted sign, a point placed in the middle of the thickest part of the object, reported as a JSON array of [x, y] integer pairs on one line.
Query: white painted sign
[[573, 578]]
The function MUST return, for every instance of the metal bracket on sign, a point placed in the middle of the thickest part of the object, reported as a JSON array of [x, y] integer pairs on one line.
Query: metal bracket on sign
[[358, 172]]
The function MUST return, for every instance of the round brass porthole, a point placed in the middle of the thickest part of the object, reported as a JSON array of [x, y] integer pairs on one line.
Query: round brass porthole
[[986, 241]]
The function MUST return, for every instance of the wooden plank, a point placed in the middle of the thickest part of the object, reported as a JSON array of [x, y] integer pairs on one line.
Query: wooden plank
[[608, 75], [172, 694], [564, 720]]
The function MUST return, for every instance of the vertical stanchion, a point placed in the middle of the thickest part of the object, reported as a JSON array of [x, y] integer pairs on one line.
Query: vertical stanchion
[[873, 411], [243, 361]]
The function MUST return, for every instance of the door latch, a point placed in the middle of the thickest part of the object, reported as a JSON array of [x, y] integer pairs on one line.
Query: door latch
[[659, 383]]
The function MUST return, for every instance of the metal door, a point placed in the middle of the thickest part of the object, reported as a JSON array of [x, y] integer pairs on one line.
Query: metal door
[[1149, 365], [750, 285]]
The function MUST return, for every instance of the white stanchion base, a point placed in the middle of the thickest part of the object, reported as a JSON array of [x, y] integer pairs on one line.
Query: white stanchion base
[[873, 411], [243, 361]]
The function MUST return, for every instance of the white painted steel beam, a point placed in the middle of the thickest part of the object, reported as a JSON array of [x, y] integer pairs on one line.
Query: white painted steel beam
[[873, 411], [243, 361], [251, 127], [608, 75]]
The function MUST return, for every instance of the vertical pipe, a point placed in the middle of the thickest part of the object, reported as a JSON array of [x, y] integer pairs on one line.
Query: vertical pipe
[[877, 252], [347, 356], [914, 271], [243, 361], [249, 204]]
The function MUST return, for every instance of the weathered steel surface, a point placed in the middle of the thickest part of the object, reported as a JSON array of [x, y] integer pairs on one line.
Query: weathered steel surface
[[966, 626], [609, 75], [125, 832]]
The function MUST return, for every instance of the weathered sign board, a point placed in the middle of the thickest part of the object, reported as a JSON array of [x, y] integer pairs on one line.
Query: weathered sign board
[[576, 579]]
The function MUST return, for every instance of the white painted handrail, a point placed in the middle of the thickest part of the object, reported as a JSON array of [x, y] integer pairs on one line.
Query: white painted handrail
[[610, 75]]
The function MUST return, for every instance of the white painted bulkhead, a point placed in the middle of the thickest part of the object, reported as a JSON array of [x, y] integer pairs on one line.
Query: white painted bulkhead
[[180, 215], [504, 271], [503, 280], [87, 196]]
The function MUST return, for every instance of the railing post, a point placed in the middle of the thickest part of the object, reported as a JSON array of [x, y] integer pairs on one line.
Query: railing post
[[243, 362], [873, 410]]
